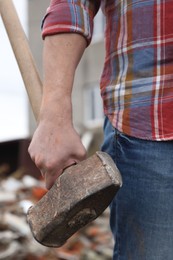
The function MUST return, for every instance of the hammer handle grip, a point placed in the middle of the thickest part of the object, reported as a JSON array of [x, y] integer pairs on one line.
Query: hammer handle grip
[[23, 54]]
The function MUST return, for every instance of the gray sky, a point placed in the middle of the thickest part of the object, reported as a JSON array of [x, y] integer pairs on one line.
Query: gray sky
[[13, 100]]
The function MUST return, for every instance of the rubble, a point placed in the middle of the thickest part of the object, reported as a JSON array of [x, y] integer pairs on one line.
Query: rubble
[[17, 193]]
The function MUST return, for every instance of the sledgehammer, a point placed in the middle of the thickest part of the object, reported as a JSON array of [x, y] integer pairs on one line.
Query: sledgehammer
[[83, 191]]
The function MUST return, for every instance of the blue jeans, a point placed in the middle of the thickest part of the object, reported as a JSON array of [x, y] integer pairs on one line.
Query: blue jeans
[[141, 216]]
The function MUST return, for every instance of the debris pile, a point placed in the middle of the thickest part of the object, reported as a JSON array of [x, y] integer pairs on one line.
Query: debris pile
[[17, 193]]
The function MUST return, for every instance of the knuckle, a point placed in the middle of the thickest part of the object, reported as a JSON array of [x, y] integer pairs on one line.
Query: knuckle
[[32, 155], [50, 165], [79, 154], [30, 150], [39, 161], [82, 152]]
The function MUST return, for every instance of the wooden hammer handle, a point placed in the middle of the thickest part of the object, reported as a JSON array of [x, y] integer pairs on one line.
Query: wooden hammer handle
[[23, 54]]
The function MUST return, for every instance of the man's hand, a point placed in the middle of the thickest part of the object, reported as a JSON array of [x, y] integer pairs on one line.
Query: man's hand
[[55, 144], [54, 148]]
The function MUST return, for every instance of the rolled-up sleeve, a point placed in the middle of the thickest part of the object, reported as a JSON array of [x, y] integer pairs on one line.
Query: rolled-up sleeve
[[64, 16]]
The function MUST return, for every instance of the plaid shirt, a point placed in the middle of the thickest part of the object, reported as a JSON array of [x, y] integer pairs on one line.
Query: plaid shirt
[[137, 80]]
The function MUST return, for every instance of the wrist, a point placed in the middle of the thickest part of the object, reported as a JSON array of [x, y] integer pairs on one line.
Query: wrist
[[56, 109]]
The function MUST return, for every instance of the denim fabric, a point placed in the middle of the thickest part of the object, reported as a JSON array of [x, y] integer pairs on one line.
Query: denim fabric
[[141, 215]]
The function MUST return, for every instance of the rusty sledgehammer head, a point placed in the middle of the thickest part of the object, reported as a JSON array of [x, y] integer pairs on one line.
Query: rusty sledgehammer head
[[77, 197]]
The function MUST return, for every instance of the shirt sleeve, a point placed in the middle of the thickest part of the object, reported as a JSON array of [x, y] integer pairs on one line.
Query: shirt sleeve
[[76, 16]]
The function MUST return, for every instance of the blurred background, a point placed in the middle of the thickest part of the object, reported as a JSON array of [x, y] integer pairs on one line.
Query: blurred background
[[20, 180]]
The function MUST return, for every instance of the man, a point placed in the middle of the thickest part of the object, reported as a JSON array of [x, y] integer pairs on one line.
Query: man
[[137, 91]]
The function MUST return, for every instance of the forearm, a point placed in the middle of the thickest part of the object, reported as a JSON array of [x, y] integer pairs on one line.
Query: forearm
[[61, 55], [55, 144]]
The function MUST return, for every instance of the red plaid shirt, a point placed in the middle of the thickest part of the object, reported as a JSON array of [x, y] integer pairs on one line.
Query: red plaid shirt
[[137, 80]]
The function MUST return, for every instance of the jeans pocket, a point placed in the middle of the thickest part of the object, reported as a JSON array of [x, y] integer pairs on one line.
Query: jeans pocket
[[109, 143]]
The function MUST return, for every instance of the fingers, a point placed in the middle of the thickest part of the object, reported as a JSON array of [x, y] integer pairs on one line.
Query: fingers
[[50, 172], [51, 178]]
